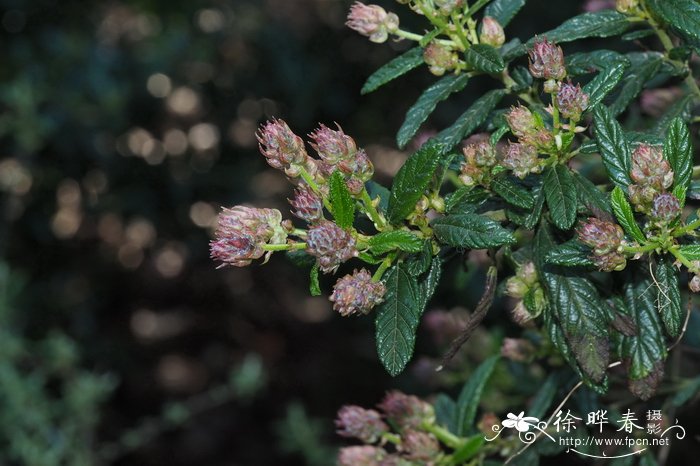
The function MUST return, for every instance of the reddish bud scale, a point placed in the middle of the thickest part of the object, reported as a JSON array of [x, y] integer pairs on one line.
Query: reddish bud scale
[[547, 60], [330, 244], [356, 293], [363, 424], [332, 145]]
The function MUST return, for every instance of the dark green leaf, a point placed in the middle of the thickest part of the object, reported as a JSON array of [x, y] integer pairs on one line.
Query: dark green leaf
[[634, 80], [503, 10], [570, 254], [393, 69], [605, 82], [589, 62], [470, 395], [342, 202], [398, 239], [512, 192], [426, 103], [314, 287], [613, 146], [680, 109], [426, 288], [445, 409], [469, 120], [682, 15], [301, 258], [560, 194], [669, 295], [688, 390], [412, 180], [638, 34], [468, 449], [533, 218], [590, 198], [485, 58], [420, 263], [375, 190], [465, 199], [471, 231], [679, 153], [691, 252], [624, 214], [522, 78]]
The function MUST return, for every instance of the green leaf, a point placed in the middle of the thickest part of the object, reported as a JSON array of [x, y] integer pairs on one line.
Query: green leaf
[[680, 109], [590, 198], [468, 449], [503, 10], [393, 69], [689, 390], [560, 194], [624, 214], [682, 15], [570, 254], [314, 287], [636, 77], [691, 252], [645, 351], [342, 203], [485, 58], [420, 263], [668, 295], [398, 239], [445, 409], [412, 180], [679, 153], [601, 85], [471, 231], [470, 395], [469, 120], [589, 62], [512, 192], [426, 103], [427, 287], [544, 397], [465, 199], [613, 146]]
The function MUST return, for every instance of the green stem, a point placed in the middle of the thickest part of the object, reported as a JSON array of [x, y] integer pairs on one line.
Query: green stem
[[688, 228], [382, 268], [476, 7], [283, 247], [677, 254], [444, 435], [374, 215], [417, 37], [306, 176], [642, 249], [460, 30], [391, 438]]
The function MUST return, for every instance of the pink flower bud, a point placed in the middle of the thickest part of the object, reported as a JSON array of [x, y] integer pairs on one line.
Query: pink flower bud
[[406, 411], [650, 168], [372, 21], [611, 262], [243, 231], [547, 60], [283, 149], [521, 315], [665, 208], [572, 101], [492, 32], [603, 237], [439, 58], [517, 349], [521, 121], [330, 244], [360, 423], [479, 158], [307, 205], [357, 293], [357, 169], [522, 159], [361, 456], [420, 446], [331, 145], [694, 284]]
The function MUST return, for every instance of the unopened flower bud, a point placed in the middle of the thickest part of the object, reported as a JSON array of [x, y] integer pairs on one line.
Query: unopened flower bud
[[547, 60], [517, 349], [439, 58], [283, 149], [610, 262], [357, 293], [364, 455], [522, 159], [603, 237], [332, 145], [330, 244], [360, 423], [307, 205], [694, 284], [572, 101], [419, 446], [479, 158], [406, 411], [665, 208], [492, 32], [626, 6], [372, 21], [650, 168], [521, 315], [243, 231], [357, 169], [516, 288], [521, 121]]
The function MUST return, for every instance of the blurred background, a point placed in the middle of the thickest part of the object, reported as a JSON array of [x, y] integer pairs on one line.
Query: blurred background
[[125, 127]]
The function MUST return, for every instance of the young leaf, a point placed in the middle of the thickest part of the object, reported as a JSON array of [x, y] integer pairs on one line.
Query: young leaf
[[669, 295], [570, 254], [590, 198], [634, 80], [398, 239], [612, 145], [469, 120], [512, 192], [426, 103], [412, 180], [471, 231], [393, 69], [560, 195], [485, 58], [682, 15], [503, 10], [342, 202], [679, 153], [624, 214], [470, 395], [645, 351], [601, 85], [314, 287]]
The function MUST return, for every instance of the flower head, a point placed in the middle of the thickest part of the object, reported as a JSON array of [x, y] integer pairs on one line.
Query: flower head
[[330, 244], [651, 174], [307, 205], [478, 159], [360, 423], [448, 6], [357, 293], [439, 58], [492, 32], [243, 231], [612, 261], [364, 455], [332, 145], [372, 21], [547, 60], [572, 101], [603, 237], [406, 411], [283, 149], [522, 159], [521, 121], [666, 207], [419, 446]]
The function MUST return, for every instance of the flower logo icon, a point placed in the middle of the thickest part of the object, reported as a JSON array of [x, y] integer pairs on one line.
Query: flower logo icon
[[521, 422]]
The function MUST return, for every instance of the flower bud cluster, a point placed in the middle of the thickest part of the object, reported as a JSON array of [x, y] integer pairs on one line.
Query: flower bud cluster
[[330, 244], [372, 21], [571, 101], [651, 174], [547, 61], [522, 159], [357, 293], [526, 288], [440, 58], [407, 415], [283, 149], [606, 239], [479, 159], [492, 32], [665, 209]]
